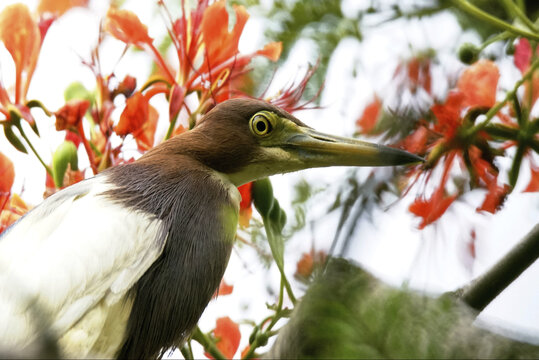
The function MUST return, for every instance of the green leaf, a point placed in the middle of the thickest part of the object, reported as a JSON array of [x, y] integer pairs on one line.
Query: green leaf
[[76, 90], [36, 103], [14, 140]]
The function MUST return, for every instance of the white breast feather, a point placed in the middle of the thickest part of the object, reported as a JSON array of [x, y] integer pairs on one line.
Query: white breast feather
[[75, 250]]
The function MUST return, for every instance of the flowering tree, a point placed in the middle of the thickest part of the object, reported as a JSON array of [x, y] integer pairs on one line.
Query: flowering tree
[[461, 134]]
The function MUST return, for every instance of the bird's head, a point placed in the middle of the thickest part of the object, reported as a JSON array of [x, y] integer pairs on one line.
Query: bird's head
[[248, 139]]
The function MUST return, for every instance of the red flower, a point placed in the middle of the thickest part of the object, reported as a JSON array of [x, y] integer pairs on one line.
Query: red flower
[[308, 263], [416, 142], [290, 97], [177, 95], [533, 185], [70, 115], [11, 211], [179, 130], [22, 38], [8, 175], [431, 209], [448, 115], [139, 118], [419, 73], [58, 7], [228, 336], [532, 86], [272, 50], [246, 209], [125, 26], [221, 44], [304, 267], [368, 119], [224, 289], [478, 84], [495, 197], [145, 137], [523, 54]]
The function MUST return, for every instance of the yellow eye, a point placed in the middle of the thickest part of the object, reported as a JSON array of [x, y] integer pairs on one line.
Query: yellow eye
[[260, 125]]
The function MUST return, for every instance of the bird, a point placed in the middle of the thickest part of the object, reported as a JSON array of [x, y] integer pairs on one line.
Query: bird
[[124, 263]]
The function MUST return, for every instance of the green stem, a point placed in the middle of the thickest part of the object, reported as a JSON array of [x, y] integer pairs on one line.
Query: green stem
[[517, 12], [279, 308], [186, 351], [207, 343], [501, 36], [494, 110], [274, 319], [171, 127], [284, 280], [154, 80], [474, 11], [48, 169]]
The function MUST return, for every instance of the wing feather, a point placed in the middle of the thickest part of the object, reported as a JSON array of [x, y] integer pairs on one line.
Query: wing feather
[[75, 250]]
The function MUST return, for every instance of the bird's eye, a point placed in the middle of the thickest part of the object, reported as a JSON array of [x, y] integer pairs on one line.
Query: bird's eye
[[260, 125]]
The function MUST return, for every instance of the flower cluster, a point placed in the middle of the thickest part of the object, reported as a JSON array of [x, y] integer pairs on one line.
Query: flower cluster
[[208, 68], [462, 136]]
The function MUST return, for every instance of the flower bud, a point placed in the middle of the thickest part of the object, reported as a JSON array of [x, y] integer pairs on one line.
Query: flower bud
[[127, 86], [262, 193], [65, 154], [468, 53]]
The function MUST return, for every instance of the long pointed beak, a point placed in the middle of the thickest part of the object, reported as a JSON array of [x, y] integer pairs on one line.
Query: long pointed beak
[[317, 149]]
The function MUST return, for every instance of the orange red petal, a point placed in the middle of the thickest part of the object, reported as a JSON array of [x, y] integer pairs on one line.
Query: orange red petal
[[134, 115], [228, 336], [58, 7], [431, 209], [221, 44], [523, 54], [71, 114], [125, 26], [478, 83], [21, 37], [533, 185], [367, 121], [145, 137], [225, 289], [272, 50], [495, 197], [448, 114], [416, 142], [12, 211], [7, 172]]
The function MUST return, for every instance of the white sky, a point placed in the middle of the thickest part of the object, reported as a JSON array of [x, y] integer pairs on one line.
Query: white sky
[[390, 246]]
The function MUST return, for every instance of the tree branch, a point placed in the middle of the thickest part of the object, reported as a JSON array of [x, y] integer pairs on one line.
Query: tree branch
[[488, 286]]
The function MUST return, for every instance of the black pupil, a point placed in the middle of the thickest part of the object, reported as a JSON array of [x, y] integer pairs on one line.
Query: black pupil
[[261, 126]]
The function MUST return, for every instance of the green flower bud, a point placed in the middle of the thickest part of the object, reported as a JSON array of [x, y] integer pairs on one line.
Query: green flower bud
[[65, 154], [468, 53], [262, 339], [510, 48], [263, 199]]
